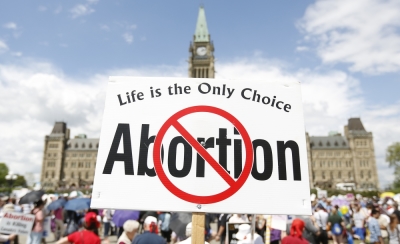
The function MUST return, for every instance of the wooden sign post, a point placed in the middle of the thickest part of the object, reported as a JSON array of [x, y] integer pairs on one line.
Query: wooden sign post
[[198, 220]]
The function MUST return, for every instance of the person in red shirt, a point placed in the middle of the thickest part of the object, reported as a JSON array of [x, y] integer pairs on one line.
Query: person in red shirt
[[296, 233], [85, 236]]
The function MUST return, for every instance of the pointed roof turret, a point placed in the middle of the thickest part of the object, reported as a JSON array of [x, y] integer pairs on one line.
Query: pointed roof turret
[[201, 34]]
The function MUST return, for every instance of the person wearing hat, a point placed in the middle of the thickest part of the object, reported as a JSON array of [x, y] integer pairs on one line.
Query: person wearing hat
[[150, 234], [296, 233], [244, 235], [130, 229], [188, 240], [87, 235]]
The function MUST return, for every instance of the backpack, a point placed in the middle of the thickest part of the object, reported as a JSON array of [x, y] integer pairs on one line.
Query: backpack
[[336, 229]]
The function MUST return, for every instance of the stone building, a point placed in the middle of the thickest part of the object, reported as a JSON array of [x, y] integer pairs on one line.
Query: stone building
[[347, 161], [333, 159], [68, 162]]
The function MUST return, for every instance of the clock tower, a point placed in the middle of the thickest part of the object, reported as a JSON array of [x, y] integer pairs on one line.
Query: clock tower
[[201, 59]]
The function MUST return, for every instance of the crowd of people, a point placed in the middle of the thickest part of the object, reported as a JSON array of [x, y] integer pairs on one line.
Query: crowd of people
[[368, 220]]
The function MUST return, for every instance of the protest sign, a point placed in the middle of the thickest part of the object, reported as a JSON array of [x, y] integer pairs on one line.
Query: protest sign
[[16, 223], [202, 145]]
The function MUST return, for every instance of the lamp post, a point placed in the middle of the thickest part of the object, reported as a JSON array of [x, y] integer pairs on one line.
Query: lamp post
[[11, 177]]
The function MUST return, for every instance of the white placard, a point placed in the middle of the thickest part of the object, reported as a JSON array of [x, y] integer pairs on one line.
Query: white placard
[[16, 223], [322, 194], [181, 144], [279, 222]]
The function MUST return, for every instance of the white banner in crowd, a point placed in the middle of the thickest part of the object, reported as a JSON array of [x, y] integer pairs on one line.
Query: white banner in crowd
[[16, 223], [202, 145]]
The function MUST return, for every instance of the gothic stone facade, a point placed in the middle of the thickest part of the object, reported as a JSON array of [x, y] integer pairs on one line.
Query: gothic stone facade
[[350, 158]]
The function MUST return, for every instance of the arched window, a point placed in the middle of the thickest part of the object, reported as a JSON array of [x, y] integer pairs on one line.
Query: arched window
[[320, 144], [52, 174], [339, 174], [97, 145], [76, 145], [72, 175], [90, 145], [328, 144], [83, 145], [323, 175], [362, 174], [344, 143], [349, 174], [336, 143], [87, 175], [331, 175], [79, 175]]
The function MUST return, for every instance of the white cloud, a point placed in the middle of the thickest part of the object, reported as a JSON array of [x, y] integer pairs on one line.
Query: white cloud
[[364, 34], [47, 95], [128, 37], [58, 10], [10, 25], [302, 49], [42, 8], [105, 27], [17, 54], [81, 10], [132, 27], [3, 46]]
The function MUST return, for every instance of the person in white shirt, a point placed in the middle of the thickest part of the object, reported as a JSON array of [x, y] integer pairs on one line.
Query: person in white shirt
[[189, 235], [130, 229], [321, 218], [244, 235]]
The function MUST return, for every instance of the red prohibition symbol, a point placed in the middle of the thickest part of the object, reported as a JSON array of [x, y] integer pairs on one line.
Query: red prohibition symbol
[[234, 186]]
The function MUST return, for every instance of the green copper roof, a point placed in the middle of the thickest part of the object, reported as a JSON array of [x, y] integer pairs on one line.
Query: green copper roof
[[201, 34]]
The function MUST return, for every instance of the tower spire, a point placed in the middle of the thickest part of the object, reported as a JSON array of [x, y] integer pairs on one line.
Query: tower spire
[[201, 34]]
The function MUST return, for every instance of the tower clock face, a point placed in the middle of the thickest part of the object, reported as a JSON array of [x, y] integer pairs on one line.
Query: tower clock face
[[201, 51]]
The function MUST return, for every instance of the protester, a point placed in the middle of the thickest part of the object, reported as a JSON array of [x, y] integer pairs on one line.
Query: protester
[[244, 235], [221, 232], [336, 225], [106, 223], [59, 221], [86, 236], [374, 228], [37, 230], [164, 220], [130, 229], [321, 218], [359, 219], [188, 240], [311, 228], [296, 233], [393, 230], [150, 234]]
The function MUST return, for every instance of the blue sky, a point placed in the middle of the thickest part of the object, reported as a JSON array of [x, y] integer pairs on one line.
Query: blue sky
[[347, 52]]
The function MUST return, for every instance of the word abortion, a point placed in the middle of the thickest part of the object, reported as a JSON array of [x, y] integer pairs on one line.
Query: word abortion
[[205, 88], [123, 133]]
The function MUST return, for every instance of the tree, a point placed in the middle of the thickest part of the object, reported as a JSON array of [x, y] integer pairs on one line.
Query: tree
[[3, 173], [20, 181], [393, 158]]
